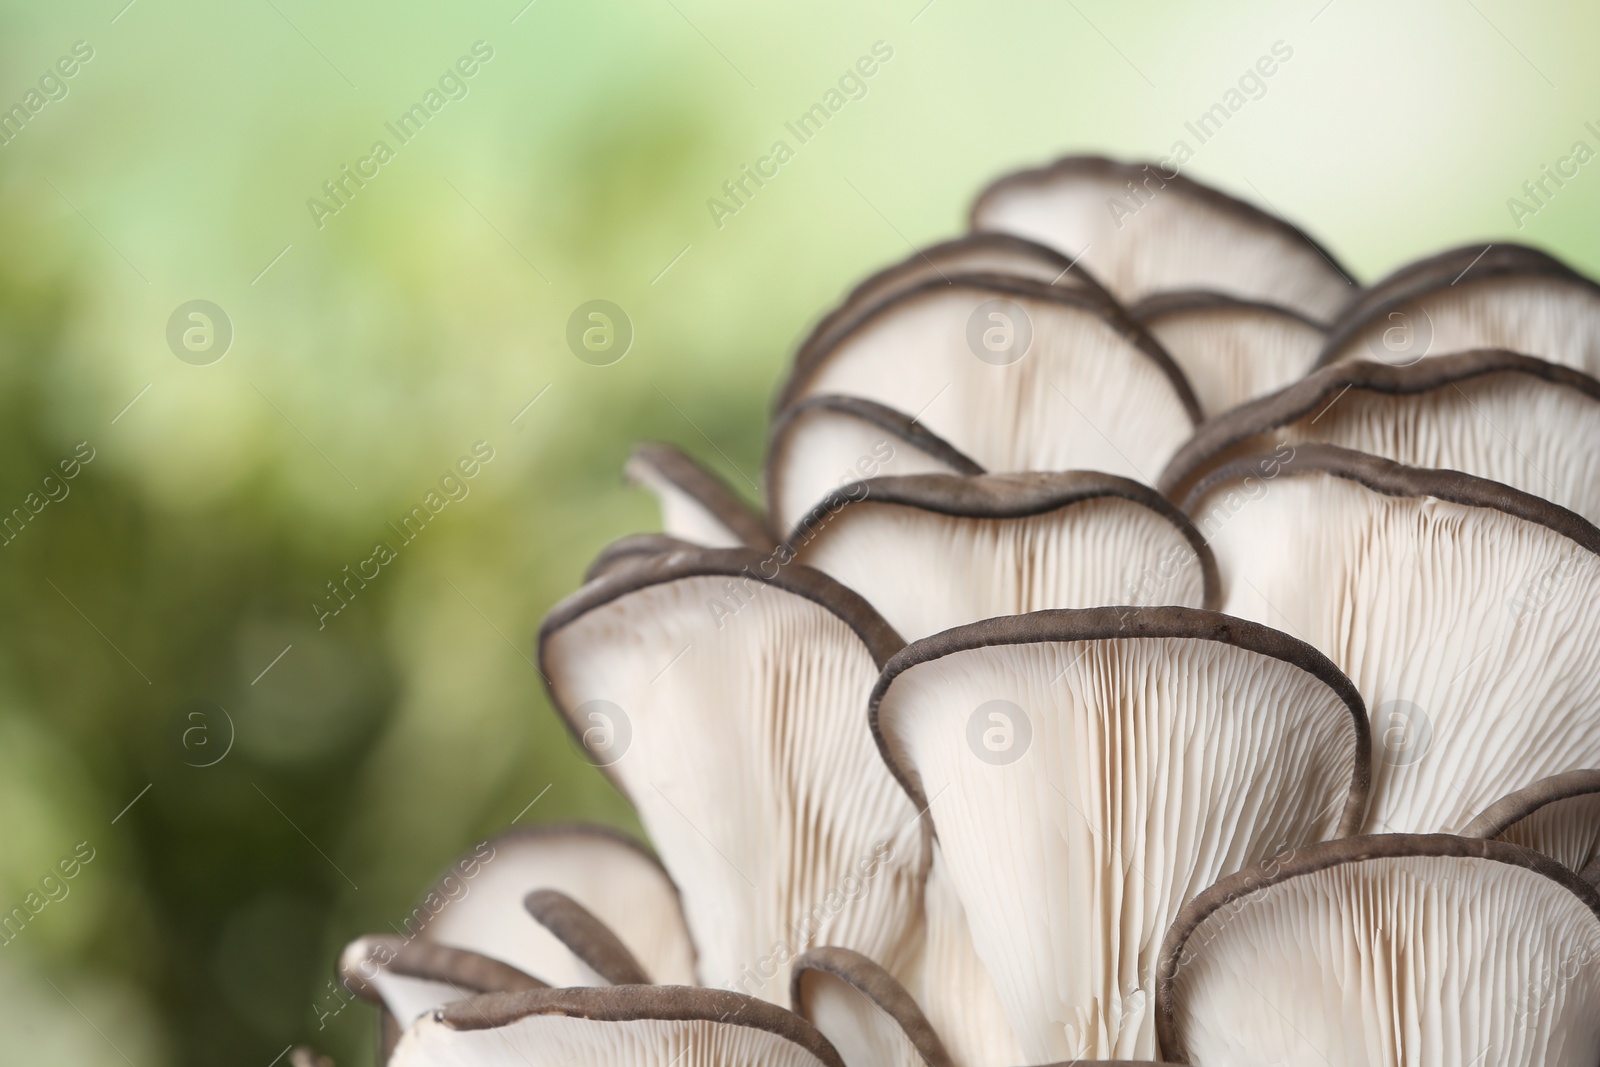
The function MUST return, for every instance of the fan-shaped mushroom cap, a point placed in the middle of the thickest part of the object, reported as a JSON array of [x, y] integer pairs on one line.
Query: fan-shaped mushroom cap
[[617, 1026], [1559, 816], [478, 903], [1462, 609], [953, 985], [1102, 766], [978, 253], [1502, 296], [631, 547], [932, 551], [1394, 949], [863, 1011], [824, 443], [1018, 375], [589, 939], [696, 505], [1231, 349], [736, 705], [1142, 229], [411, 978], [1531, 424]]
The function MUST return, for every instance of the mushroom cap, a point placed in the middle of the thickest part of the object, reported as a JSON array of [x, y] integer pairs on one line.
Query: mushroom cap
[[1016, 374], [1394, 948], [976, 253], [1181, 234], [863, 1011], [826, 442], [724, 673], [477, 903], [589, 939], [630, 548], [1231, 349], [1492, 413], [696, 505], [615, 1026], [1558, 815], [1086, 771], [1462, 609], [932, 551], [1499, 296], [409, 978]]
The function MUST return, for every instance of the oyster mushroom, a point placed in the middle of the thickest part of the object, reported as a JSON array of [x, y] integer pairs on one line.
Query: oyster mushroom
[[725, 675], [867, 1016], [933, 551], [1087, 771], [1462, 609], [993, 846], [1494, 296], [1395, 948], [696, 505], [978, 253], [1017, 374], [617, 1026], [1231, 350], [1143, 230], [1558, 815], [824, 443], [411, 978], [1495, 414]]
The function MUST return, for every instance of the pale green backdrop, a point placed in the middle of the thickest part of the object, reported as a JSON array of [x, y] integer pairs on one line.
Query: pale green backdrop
[[371, 352]]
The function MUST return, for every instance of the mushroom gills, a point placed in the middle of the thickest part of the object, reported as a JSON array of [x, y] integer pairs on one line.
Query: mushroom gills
[[1396, 949], [1143, 229], [1087, 771], [935, 551], [1461, 609]]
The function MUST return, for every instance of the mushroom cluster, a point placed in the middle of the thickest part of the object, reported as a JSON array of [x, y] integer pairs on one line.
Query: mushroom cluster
[[1156, 648]]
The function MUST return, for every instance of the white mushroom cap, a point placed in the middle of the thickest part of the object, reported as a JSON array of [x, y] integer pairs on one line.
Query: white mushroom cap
[[1393, 949], [629, 549], [978, 253], [1558, 815], [696, 505], [824, 443], [619, 1026], [478, 903], [934, 551], [1144, 230], [1088, 771], [731, 712], [1231, 350], [1018, 375], [410, 978], [1462, 609], [1499, 296], [1511, 418], [863, 1011], [594, 943]]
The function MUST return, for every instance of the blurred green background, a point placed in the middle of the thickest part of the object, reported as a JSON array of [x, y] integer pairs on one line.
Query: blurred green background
[[370, 353]]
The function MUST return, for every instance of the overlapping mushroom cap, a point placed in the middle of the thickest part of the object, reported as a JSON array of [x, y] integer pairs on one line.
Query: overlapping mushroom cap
[[1153, 647]]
